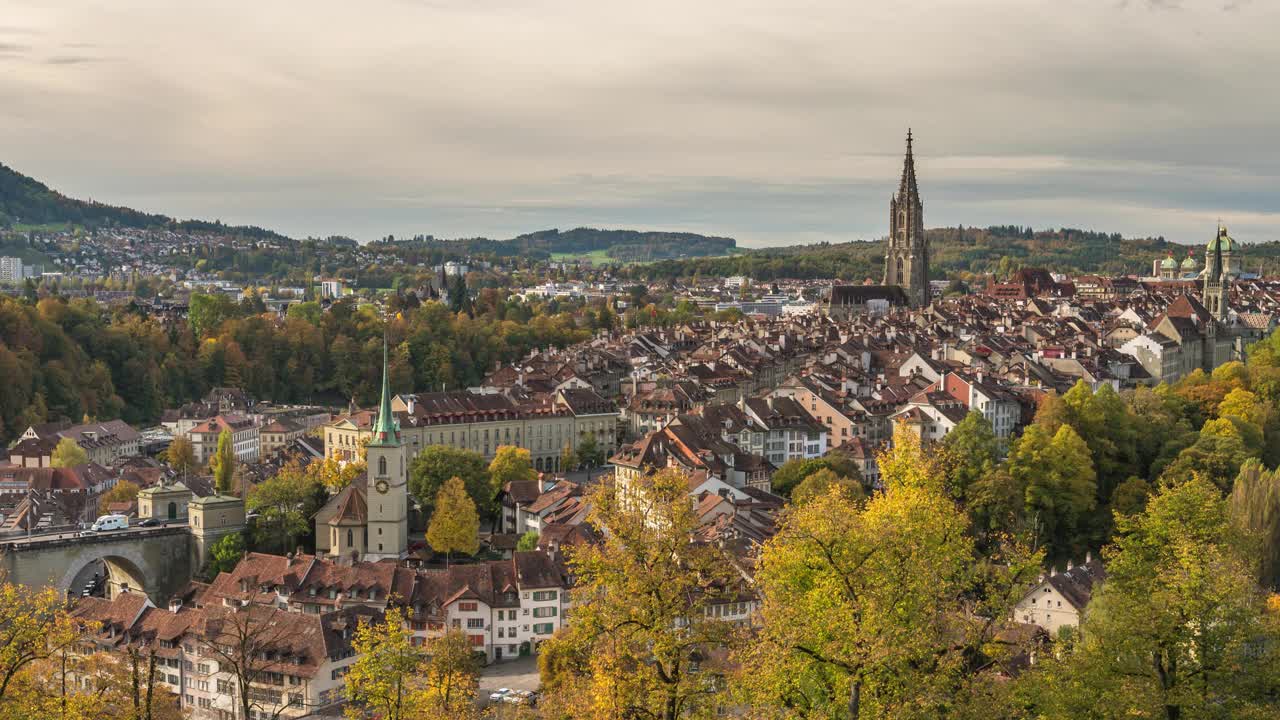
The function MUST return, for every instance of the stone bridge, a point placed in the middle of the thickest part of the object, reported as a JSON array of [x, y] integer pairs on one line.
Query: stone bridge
[[157, 560]]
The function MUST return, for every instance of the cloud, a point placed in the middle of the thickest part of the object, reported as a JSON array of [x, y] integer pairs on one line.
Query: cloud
[[769, 121]]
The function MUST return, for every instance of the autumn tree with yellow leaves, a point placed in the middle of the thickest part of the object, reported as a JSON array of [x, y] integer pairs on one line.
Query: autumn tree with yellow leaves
[[642, 631], [397, 680]]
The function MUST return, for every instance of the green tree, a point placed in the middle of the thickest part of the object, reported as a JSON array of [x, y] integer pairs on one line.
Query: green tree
[[510, 464], [970, 452], [793, 472], [589, 452], [308, 311], [454, 525], [1060, 486], [206, 313], [1254, 505], [528, 541], [68, 454], [641, 608], [436, 464], [225, 554], [223, 464], [285, 504], [820, 483], [1180, 628]]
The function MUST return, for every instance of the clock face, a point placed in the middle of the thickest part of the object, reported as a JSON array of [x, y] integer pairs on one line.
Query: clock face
[[382, 486]]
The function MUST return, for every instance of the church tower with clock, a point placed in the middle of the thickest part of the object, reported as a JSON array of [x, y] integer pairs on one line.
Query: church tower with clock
[[388, 487]]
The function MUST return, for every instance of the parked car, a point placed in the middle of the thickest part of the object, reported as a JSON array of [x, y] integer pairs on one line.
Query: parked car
[[88, 533], [498, 695], [149, 522]]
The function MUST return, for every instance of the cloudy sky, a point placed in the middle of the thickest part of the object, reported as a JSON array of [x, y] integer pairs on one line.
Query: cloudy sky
[[773, 122]]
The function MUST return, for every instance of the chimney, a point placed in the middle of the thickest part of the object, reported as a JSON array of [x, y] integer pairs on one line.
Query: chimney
[[1088, 557], [1069, 565], [175, 604]]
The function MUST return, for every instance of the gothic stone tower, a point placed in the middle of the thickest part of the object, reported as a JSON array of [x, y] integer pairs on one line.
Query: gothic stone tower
[[388, 491], [1217, 277], [906, 263]]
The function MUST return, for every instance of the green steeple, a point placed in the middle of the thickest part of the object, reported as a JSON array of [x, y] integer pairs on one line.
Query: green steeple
[[387, 432]]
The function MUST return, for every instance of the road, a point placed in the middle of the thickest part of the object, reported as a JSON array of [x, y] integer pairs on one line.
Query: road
[[71, 534]]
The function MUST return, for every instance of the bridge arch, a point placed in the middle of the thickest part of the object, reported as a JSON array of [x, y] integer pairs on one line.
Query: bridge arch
[[123, 566]]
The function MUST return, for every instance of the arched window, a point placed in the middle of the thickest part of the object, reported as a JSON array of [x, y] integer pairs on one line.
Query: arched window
[[351, 539], [382, 466], [173, 511]]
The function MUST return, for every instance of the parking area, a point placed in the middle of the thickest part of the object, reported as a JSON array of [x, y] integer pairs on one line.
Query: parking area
[[521, 674]]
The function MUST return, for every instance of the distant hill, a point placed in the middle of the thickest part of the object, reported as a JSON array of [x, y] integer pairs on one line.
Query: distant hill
[[25, 201], [998, 250], [600, 246]]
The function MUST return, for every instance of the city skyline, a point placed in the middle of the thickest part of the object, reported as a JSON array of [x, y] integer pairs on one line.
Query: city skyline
[[770, 124]]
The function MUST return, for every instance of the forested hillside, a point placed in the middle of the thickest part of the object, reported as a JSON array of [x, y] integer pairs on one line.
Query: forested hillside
[[65, 359], [25, 201]]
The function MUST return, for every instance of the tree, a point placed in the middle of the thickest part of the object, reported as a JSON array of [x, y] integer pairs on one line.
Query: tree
[[334, 474], [245, 642], [382, 680], [1059, 484], [206, 313], [181, 455], [568, 458], [451, 676], [225, 554], [285, 504], [860, 604], [223, 464], [906, 464], [455, 525], [34, 626], [641, 607], [124, 491], [793, 472], [589, 452], [820, 483], [510, 464], [528, 541], [67, 454], [970, 452], [436, 464], [1254, 505], [1180, 628]]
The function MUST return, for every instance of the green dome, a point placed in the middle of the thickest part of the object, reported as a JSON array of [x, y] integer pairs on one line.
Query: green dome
[[1222, 239], [1168, 263], [1190, 263]]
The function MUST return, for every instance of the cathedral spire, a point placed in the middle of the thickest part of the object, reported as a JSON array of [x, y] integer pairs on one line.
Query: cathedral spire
[[907, 188], [386, 432]]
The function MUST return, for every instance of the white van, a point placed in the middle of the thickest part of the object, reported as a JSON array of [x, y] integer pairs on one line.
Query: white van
[[110, 522]]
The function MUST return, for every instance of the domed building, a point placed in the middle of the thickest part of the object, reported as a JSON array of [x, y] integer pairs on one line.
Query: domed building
[[1169, 268], [1222, 262], [1190, 268]]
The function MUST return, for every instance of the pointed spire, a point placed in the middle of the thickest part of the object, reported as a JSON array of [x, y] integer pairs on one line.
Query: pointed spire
[[386, 432], [907, 188]]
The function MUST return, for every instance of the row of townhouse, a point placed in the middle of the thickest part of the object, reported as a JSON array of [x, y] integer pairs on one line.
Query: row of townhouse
[[293, 663], [246, 438], [505, 607], [483, 422]]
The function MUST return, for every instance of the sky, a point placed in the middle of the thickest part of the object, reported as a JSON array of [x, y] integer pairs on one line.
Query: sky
[[774, 123]]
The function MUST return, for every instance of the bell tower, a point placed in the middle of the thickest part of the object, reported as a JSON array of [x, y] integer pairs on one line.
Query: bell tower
[[906, 262], [388, 490]]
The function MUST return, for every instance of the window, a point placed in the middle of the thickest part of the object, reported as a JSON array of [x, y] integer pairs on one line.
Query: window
[[475, 623], [467, 607], [382, 466], [544, 612], [543, 629], [543, 595]]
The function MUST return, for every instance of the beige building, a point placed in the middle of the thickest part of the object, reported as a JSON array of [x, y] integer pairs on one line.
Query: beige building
[[1060, 598], [483, 422]]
